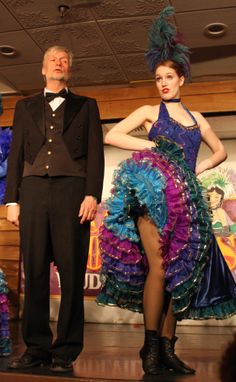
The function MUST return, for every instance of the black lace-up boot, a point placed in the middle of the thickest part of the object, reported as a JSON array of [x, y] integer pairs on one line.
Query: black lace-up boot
[[150, 353], [169, 359]]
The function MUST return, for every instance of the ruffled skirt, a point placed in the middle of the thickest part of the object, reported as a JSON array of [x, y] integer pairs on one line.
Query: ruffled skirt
[[159, 183], [5, 342]]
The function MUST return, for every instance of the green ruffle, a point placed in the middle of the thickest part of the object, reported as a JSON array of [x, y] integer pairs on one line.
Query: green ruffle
[[219, 312]]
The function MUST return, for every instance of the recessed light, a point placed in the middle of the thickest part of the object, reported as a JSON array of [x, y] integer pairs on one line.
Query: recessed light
[[215, 30], [63, 9], [7, 50]]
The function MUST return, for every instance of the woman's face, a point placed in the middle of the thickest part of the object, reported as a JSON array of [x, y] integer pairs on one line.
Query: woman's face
[[168, 82]]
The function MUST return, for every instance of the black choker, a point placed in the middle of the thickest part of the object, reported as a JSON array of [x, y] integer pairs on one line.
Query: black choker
[[172, 100]]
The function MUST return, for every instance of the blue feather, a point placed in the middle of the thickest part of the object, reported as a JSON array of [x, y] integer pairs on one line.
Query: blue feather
[[165, 44]]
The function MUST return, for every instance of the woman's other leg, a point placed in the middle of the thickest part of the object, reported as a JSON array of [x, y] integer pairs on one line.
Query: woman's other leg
[[168, 357]]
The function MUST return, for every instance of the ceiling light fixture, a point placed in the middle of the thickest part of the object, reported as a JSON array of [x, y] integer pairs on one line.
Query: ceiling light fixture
[[7, 50], [63, 9], [215, 30]]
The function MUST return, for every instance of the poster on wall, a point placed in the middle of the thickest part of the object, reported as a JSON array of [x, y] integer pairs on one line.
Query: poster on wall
[[221, 190]]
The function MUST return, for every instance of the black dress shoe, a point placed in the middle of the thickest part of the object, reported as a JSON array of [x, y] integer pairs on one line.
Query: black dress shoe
[[26, 361], [60, 365]]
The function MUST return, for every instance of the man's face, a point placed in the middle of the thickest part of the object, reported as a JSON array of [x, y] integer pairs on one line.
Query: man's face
[[56, 66]]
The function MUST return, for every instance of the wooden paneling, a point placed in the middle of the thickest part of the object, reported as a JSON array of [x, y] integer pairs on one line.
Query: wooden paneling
[[203, 97], [10, 260], [9, 237], [119, 102], [150, 91], [204, 103]]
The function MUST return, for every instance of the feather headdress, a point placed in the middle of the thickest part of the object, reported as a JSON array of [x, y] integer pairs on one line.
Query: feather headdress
[[165, 44]]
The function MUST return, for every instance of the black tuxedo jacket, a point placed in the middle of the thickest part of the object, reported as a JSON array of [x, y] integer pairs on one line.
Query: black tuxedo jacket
[[82, 135]]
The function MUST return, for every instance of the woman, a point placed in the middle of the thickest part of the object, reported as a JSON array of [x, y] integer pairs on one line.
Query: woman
[[156, 242]]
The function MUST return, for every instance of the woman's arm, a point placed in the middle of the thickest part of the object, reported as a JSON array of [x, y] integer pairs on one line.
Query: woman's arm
[[213, 142], [118, 135]]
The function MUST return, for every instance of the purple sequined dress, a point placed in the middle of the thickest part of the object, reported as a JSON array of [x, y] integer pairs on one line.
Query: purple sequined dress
[[162, 184]]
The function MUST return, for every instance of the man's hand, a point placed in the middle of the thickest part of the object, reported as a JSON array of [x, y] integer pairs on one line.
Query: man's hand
[[88, 209], [13, 212]]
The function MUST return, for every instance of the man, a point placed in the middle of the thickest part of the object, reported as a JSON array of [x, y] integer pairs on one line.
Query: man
[[55, 175]]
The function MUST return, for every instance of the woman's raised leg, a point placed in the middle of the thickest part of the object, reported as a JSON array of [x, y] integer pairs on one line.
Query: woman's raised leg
[[153, 296]]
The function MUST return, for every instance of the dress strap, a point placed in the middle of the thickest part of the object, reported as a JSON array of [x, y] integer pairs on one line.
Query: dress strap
[[163, 112], [190, 114]]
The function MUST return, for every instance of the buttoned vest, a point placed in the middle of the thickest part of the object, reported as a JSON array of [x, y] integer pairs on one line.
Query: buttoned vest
[[53, 158]]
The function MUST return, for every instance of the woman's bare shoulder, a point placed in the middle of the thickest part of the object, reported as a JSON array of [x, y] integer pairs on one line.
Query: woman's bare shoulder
[[197, 115], [201, 120], [152, 111], [151, 108], [149, 113]]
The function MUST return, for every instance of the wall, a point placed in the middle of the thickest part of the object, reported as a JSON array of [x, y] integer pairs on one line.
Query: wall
[[115, 103]]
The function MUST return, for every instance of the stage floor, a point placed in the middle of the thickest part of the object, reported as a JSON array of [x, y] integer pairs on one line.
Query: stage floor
[[111, 354]]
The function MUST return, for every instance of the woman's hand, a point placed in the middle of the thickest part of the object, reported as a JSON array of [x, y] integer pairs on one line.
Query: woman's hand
[[203, 166]]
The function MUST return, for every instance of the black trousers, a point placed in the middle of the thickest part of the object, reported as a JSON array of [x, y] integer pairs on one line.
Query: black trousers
[[50, 229]]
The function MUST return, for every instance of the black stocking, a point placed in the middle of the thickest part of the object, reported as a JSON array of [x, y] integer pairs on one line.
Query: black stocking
[[153, 297]]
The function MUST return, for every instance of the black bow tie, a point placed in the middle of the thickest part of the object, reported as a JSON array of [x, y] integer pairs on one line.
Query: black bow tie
[[50, 96]]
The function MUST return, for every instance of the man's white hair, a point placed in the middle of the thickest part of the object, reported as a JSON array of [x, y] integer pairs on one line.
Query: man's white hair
[[59, 48]]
